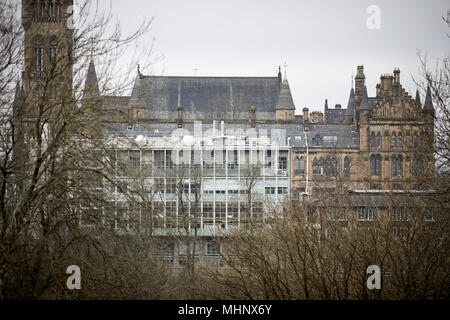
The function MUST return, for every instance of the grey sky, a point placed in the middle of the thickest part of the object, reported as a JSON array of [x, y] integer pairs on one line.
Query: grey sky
[[321, 41]]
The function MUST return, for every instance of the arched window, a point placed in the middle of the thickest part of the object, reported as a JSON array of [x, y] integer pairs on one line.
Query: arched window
[[58, 9], [34, 8], [393, 140], [43, 8], [299, 166], [399, 140], [330, 166], [415, 140], [38, 56], [53, 49], [397, 165], [347, 167], [375, 165], [318, 166], [417, 169], [315, 166], [372, 140], [378, 140], [50, 8]]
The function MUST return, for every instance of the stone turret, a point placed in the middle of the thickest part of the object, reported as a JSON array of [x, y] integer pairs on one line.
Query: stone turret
[[285, 108], [364, 108], [419, 104], [428, 107], [350, 111], [91, 88]]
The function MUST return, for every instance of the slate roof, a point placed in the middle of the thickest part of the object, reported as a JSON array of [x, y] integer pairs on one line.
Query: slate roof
[[91, 84], [203, 95], [335, 116], [285, 101], [351, 104], [364, 100]]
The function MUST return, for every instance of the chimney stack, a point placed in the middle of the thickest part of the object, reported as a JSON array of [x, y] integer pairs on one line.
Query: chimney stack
[[305, 118], [397, 75], [360, 80], [316, 117]]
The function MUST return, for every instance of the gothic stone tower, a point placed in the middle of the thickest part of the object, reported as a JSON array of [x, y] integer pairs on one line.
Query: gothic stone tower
[[47, 75], [48, 48]]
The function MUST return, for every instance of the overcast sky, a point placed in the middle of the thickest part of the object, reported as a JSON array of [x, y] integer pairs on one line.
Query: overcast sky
[[321, 41]]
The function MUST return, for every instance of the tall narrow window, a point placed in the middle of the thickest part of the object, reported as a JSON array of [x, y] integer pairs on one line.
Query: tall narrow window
[[399, 140], [42, 8], [375, 165], [393, 140], [316, 166], [34, 8], [378, 140], [347, 167], [50, 8], [372, 140], [415, 140], [330, 166], [397, 165], [39, 53], [53, 52], [299, 166], [417, 167], [58, 9]]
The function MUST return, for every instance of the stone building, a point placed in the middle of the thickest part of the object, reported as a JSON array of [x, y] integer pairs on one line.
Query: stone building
[[378, 142]]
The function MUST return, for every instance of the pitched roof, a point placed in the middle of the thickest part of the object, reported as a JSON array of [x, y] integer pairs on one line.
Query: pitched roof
[[285, 101], [364, 100], [351, 104], [418, 98], [428, 105], [205, 95], [335, 116], [91, 85]]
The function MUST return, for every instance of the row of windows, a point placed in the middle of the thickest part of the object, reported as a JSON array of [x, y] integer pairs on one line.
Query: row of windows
[[329, 166], [163, 159], [39, 57], [370, 213], [397, 165], [396, 140], [46, 8], [280, 190]]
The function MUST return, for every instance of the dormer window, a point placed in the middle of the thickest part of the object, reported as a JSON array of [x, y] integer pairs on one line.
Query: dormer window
[[317, 140]]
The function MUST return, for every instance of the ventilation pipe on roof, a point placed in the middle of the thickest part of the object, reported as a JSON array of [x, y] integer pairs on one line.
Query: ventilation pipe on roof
[[252, 117], [180, 117], [307, 164]]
